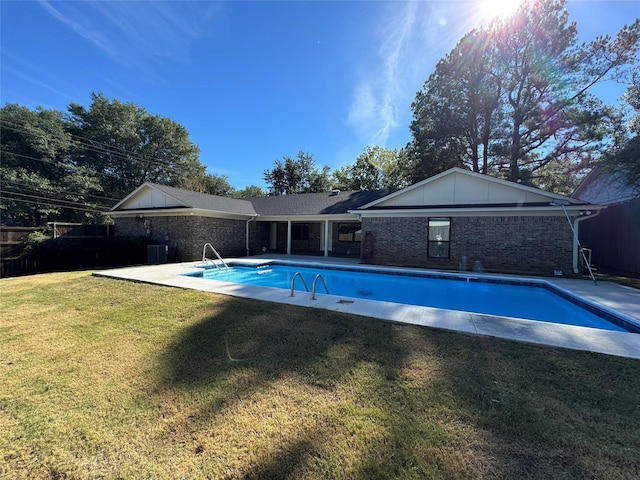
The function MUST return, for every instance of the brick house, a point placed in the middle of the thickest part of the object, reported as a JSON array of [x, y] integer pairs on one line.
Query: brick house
[[310, 224], [444, 222]]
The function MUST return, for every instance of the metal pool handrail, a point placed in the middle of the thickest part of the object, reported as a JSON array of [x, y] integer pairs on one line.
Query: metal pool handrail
[[293, 281], [313, 286], [204, 255]]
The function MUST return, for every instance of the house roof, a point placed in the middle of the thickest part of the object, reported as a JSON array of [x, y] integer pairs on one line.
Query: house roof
[[455, 190], [205, 201], [605, 188], [324, 203], [151, 196]]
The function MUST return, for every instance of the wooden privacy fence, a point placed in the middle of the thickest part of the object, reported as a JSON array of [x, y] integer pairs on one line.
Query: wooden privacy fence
[[78, 230], [12, 254], [15, 259]]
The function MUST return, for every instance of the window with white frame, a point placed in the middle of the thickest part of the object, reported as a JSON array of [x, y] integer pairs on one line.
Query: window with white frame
[[439, 234]]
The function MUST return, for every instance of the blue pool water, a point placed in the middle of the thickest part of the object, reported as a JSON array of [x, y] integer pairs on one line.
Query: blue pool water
[[526, 301]]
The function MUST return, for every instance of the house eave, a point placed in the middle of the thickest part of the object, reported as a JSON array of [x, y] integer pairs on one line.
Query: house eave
[[178, 212], [476, 211]]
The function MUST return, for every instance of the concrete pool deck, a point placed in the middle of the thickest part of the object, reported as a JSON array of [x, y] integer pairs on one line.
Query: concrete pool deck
[[613, 297]]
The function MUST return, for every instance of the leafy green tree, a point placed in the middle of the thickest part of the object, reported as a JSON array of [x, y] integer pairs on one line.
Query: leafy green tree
[[625, 156], [208, 183], [457, 113], [376, 168], [515, 97], [218, 185], [299, 175], [40, 180], [129, 146], [248, 192]]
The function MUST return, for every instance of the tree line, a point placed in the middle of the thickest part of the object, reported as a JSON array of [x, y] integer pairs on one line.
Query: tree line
[[514, 100], [71, 166]]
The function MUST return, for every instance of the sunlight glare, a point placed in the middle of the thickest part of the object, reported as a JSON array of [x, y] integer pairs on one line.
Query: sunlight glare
[[498, 8]]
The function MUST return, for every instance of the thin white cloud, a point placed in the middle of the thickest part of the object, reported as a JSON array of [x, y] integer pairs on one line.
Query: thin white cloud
[[79, 24], [136, 33], [13, 65], [413, 37]]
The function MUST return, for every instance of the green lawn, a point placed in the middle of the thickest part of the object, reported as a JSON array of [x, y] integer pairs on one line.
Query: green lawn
[[110, 379]]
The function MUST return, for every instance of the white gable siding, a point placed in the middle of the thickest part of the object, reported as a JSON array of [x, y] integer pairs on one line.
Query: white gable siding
[[150, 198], [461, 189]]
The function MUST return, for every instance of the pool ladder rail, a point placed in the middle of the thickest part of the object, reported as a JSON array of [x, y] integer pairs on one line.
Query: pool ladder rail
[[313, 285], [207, 260]]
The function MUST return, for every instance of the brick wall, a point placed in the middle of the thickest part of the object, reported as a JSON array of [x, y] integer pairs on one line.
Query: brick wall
[[259, 233], [186, 235], [518, 244]]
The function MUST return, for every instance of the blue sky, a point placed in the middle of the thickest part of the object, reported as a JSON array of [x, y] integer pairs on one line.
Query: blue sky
[[254, 81]]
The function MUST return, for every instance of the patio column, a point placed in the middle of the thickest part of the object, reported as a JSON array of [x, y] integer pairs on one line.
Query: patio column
[[326, 238], [288, 237]]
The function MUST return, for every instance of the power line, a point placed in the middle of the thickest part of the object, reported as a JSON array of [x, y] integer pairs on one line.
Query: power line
[[54, 163], [33, 188], [88, 143], [96, 146], [58, 200], [55, 205]]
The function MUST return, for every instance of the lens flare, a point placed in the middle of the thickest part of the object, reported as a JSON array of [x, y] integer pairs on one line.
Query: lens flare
[[499, 9]]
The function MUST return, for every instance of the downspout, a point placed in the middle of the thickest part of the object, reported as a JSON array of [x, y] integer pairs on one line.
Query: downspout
[[577, 248], [246, 235], [576, 230]]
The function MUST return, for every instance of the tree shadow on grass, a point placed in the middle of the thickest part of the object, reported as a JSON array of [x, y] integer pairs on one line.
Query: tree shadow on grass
[[272, 341], [525, 410], [247, 346]]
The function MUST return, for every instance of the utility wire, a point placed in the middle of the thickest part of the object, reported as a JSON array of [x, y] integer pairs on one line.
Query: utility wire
[[56, 205], [58, 200], [96, 146], [34, 189], [91, 146], [57, 164]]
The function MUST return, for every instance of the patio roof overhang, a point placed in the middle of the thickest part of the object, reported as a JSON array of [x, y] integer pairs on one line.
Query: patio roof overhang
[[346, 217]]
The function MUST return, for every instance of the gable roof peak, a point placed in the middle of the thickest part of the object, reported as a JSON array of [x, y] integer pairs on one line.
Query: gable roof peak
[[457, 192]]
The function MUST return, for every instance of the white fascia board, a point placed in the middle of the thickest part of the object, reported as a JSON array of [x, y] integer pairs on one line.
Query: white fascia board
[[306, 218], [477, 212], [178, 212]]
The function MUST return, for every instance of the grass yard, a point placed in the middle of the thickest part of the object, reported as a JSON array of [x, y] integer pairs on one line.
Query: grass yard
[[110, 379]]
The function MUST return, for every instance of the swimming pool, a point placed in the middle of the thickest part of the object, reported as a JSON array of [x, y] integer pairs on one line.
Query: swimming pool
[[468, 293]]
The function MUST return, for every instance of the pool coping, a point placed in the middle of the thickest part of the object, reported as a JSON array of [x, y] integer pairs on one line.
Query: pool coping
[[616, 299]]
